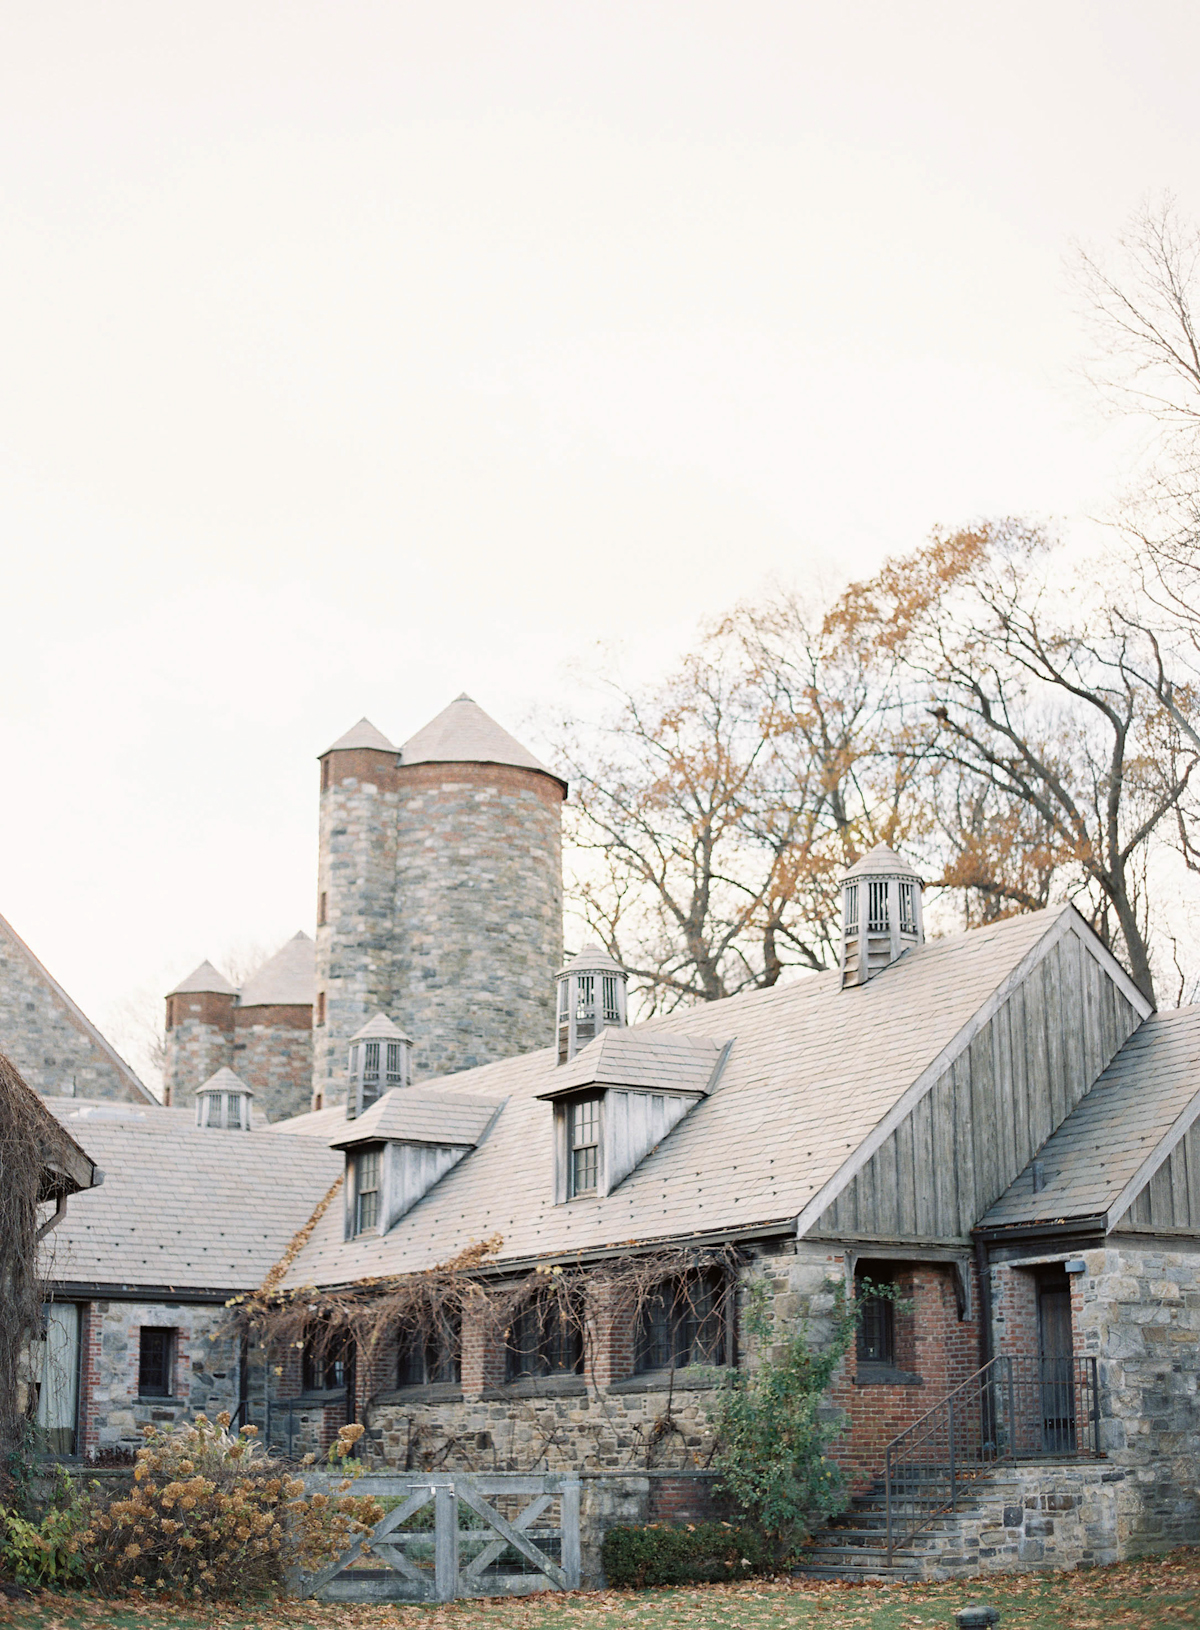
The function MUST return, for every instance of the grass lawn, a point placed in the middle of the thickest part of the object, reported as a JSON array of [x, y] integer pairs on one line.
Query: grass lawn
[[1158, 1594]]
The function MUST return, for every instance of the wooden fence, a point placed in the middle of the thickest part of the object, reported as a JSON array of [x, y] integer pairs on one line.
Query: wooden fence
[[447, 1536]]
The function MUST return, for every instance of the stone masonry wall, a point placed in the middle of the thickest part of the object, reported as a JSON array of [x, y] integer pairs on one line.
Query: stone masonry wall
[[478, 912], [199, 1042], [610, 1420], [204, 1372], [356, 882], [48, 1038], [1138, 1312], [440, 890], [1030, 1517], [273, 1054]]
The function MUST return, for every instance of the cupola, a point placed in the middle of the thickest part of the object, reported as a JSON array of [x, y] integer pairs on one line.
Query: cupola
[[380, 1059], [881, 914], [224, 1101], [591, 998]]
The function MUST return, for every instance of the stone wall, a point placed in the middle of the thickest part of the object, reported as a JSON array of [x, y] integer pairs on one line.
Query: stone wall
[[204, 1371], [478, 913], [199, 1042], [1138, 1313], [58, 1051], [1036, 1516], [356, 892], [440, 904], [273, 1054]]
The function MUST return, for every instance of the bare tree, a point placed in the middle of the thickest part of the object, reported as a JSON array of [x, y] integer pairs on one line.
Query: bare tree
[[1046, 717], [716, 810]]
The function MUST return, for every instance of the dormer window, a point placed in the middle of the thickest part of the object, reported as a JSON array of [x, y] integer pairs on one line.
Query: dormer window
[[224, 1102], [366, 1191], [619, 1099], [877, 910], [908, 908], [584, 1118], [852, 908]]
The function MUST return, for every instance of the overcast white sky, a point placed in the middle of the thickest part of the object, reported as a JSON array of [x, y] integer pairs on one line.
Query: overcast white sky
[[357, 354]]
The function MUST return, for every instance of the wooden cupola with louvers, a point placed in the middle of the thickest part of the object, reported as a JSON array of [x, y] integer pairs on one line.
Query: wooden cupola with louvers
[[881, 914]]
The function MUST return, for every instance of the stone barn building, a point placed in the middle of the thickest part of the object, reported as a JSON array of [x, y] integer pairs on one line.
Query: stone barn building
[[995, 1124]]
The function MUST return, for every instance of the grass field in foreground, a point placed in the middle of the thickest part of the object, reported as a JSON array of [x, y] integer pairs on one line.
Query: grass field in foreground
[[1162, 1593]]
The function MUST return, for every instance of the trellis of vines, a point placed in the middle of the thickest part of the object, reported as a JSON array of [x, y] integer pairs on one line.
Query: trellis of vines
[[564, 1304]]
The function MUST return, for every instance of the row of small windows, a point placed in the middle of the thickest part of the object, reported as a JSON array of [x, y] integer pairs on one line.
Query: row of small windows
[[878, 919], [686, 1321]]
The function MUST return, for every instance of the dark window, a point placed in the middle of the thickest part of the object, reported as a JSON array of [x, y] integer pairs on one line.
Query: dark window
[[366, 1191], [322, 908], [429, 1356], [325, 1366], [684, 1322], [545, 1339], [155, 1352], [324, 775], [583, 1124], [876, 1323], [320, 1007]]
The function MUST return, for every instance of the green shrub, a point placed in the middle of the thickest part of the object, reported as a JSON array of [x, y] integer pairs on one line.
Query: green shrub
[[48, 1552], [703, 1553]]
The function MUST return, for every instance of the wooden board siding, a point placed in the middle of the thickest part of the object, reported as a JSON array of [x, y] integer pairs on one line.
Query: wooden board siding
[[1170, 1201], [985, 1118]]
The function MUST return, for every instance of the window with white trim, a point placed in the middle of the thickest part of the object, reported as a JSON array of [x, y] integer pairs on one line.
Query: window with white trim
[[583, 1147], [366, 1191]]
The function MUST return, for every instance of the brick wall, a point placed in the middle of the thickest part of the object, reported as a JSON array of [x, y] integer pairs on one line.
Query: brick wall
[[933, 1345]]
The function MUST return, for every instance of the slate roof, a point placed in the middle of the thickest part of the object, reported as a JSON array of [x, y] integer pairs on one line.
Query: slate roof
[[410, 1115], [464, 734], [362, 734], [287, 980], [1089, 1162], [812, 1071], [880, 862], [181, 1207], [223, 1081], [315, 1123], [380, 1028], [638, 1058], [204, 979]]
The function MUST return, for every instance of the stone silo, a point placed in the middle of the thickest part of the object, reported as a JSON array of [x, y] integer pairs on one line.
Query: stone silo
[[439, 895]]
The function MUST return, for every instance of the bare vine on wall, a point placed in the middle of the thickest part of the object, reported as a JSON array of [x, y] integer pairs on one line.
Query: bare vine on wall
[[675, 1304], [23, 1135]]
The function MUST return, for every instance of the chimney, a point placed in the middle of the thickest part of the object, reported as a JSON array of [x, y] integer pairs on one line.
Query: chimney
[[881, 914]]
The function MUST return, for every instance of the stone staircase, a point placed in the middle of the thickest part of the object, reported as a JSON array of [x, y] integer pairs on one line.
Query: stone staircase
[[854, 1544], [1054, 1513]]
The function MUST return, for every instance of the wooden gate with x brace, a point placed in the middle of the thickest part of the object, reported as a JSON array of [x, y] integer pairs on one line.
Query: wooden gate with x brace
[[437, 1564]]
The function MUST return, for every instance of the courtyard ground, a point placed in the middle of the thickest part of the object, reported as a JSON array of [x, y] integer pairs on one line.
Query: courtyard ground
[[1158, 1594]]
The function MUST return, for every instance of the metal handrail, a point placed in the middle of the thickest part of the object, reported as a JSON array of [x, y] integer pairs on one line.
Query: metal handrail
[[1016, 1407]]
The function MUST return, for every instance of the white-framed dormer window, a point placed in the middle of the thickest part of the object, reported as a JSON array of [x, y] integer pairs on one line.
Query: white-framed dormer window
[[366, 1191], [583, 1147], [852, 908], [877, 906]]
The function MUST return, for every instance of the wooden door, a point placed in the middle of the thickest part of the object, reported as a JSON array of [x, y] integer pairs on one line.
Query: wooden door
[[1056, 1360]]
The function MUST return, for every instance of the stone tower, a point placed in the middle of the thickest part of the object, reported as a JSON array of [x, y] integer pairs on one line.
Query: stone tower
[[199, 1032], [439, 895]]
